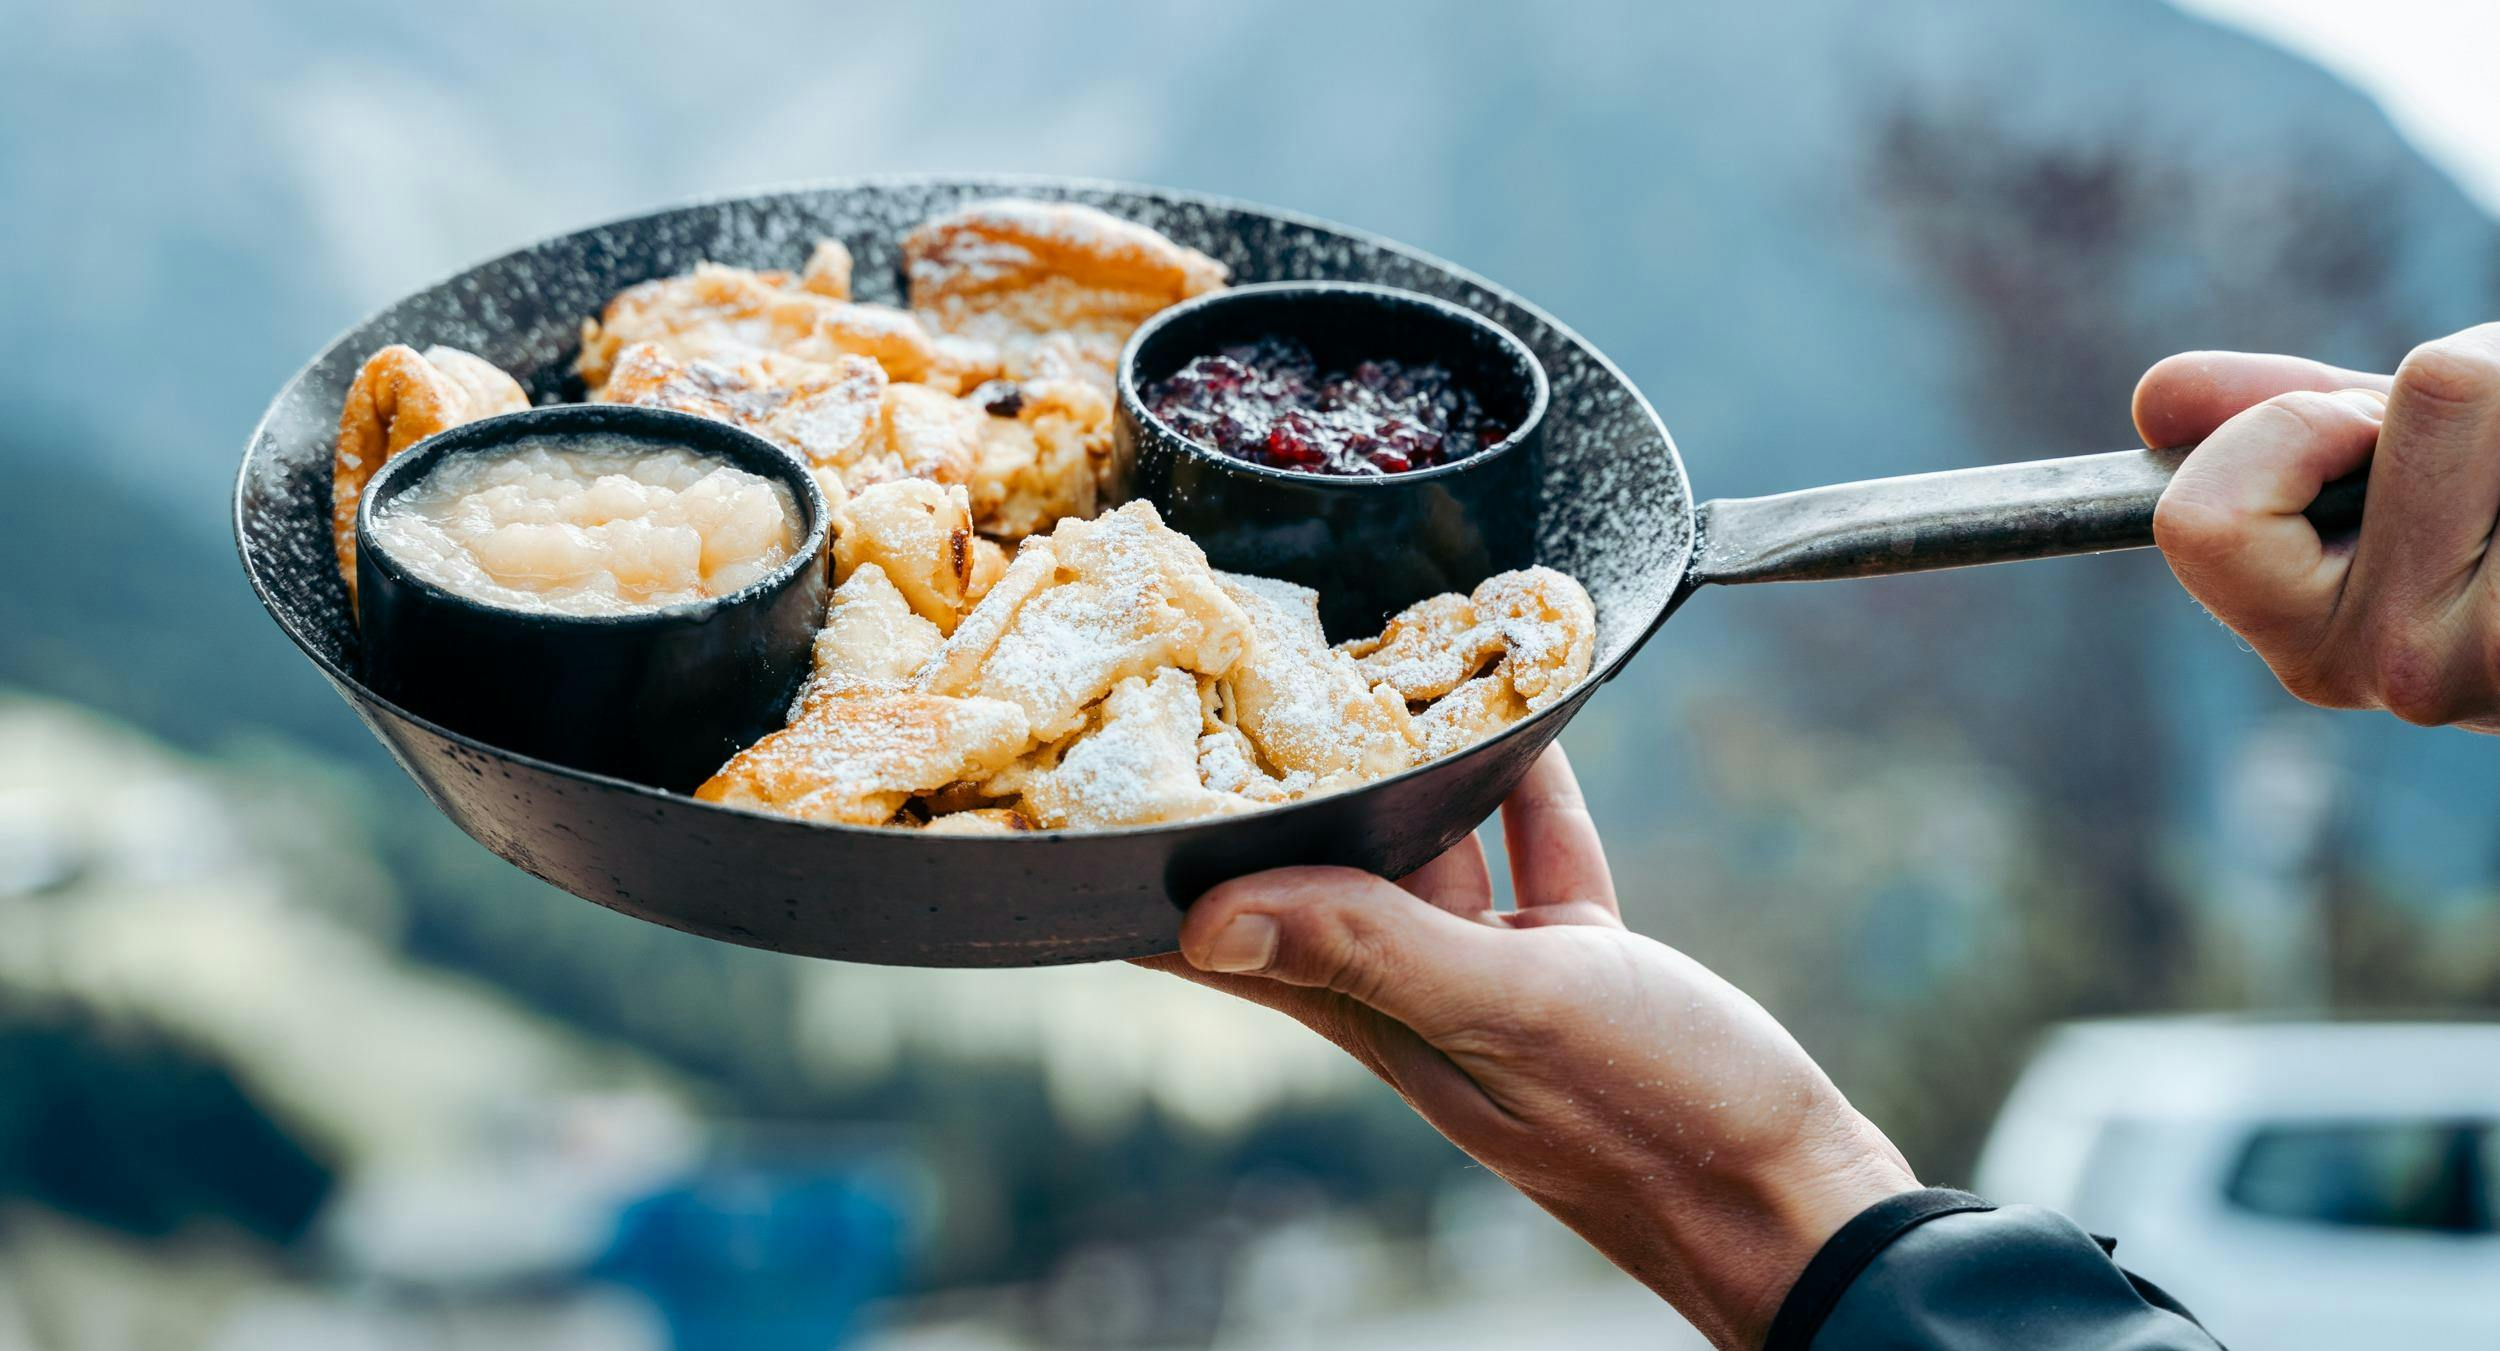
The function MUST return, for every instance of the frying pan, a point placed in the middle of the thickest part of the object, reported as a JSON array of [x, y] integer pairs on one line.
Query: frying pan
[[1618, 514]]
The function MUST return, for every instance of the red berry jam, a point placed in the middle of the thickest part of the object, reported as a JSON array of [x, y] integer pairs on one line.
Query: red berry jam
[[1267, 402]]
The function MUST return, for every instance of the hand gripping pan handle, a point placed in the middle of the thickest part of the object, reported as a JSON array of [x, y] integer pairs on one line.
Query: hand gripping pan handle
[[1957, 519]]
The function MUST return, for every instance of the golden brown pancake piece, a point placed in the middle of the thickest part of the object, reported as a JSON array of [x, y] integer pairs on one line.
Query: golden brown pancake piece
[[400, 397]]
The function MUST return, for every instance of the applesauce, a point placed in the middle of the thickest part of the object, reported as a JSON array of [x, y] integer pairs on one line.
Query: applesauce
[[581, 528]]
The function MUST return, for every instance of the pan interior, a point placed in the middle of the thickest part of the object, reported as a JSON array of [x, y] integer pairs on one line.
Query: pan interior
[[1617, 513]]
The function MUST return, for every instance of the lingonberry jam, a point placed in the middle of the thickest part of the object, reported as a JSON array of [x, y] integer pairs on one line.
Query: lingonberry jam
[[1269, 403]]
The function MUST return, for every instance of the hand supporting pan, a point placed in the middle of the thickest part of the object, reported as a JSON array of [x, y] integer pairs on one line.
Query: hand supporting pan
[[1613, 510]]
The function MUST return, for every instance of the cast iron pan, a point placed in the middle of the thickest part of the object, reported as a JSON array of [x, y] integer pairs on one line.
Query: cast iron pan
[[1616, 513]]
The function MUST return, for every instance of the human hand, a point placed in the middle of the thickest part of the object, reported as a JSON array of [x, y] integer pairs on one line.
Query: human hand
[[1647, 1103], [2407, 616]]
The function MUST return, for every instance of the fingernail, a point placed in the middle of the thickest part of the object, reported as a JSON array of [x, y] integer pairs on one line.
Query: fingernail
[[2369, 401], [1248, 943]]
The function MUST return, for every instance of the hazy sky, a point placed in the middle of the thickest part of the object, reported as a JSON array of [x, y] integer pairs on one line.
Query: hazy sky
[[2428, 62]]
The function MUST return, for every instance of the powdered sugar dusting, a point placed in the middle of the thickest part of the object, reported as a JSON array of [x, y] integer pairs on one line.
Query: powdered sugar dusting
[[854, 757], [1308, 709], [1138, 765], [1127, 610], [1614, 508], [1228, 764]]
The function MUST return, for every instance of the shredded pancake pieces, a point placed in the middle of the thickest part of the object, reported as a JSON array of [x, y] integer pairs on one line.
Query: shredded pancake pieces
[[1003, 652], [854, 757], [1484, 661], [1052, 280], [1124, 596], [399, 398], [1151, 688], [1308, 712]]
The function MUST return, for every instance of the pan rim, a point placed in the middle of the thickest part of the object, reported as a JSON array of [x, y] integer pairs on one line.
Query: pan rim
[[1670, 586]]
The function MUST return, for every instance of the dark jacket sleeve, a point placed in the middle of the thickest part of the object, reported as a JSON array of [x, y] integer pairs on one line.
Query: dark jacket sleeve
[[1941, 1270]]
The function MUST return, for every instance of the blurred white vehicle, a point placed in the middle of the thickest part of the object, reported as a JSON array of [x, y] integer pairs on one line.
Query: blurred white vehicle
[[2296, 1184]]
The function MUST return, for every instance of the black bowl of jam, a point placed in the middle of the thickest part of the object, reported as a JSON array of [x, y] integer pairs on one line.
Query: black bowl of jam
[[1374, 444]]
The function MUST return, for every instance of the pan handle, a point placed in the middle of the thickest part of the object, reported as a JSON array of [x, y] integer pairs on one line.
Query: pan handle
[[1956, 519]]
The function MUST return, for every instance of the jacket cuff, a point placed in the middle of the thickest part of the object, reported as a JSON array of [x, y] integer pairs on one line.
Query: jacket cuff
[[1828, 1276]]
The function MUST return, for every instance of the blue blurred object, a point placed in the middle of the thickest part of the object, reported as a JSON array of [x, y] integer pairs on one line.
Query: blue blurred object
[[759, 1256]]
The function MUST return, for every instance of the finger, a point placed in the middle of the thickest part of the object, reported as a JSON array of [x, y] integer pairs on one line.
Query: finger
[[1342, 1021], [2435, 484], [2184, 398], [1304, 1005], [1457, 881], [1557, 863], [1420, 1072], [2231, 526], [1356, 934]]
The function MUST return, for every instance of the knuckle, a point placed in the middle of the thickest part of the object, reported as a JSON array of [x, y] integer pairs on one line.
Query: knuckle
[[2462, 370], [2186, 522], [2197, 532], [2417, 712], [2412, 676], [1356, 957], [2343, 692], [2319, 688], [2305, 414]]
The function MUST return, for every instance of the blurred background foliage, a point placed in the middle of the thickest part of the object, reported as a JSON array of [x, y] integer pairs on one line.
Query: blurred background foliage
[[286, 1060]]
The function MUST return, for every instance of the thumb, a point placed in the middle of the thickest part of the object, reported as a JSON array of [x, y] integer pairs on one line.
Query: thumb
[[1361, 936], [2231, 526]]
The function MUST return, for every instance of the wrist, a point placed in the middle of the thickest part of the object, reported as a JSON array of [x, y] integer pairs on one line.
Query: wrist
[[1805, 1196], [1734, 1246]]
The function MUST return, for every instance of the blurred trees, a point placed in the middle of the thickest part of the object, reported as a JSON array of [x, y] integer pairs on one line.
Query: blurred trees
[[1025, 1182], [2064, 259], [129, 1129]]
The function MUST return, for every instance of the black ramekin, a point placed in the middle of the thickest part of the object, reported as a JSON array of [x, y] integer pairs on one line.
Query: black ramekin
[[660, 697], [1369, 545]]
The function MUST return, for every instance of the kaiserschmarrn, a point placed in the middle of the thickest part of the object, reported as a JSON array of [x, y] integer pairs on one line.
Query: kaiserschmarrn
[[1003, 653]]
